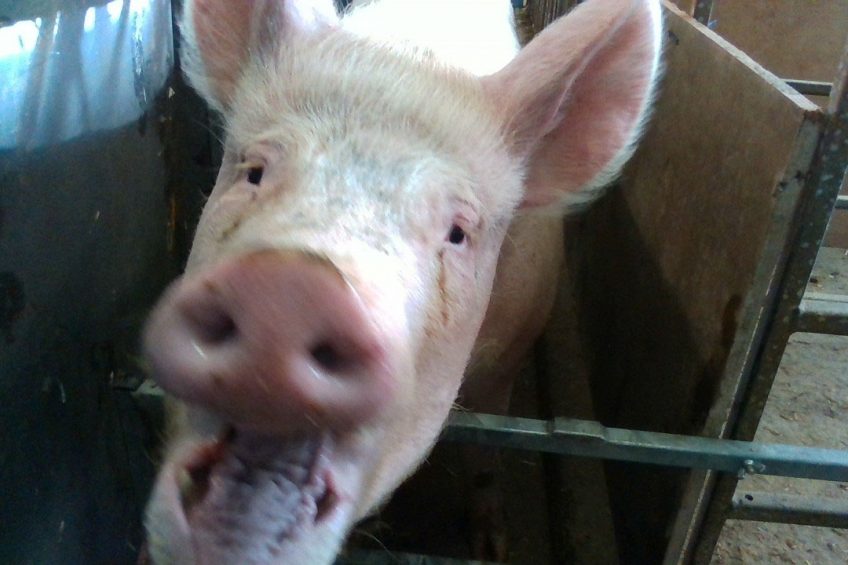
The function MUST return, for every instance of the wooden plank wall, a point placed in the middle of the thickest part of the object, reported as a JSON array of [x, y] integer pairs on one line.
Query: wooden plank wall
[[664, 269], [793, 39], [543, 12]]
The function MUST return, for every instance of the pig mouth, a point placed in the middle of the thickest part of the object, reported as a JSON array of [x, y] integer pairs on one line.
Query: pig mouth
[[246, 495]]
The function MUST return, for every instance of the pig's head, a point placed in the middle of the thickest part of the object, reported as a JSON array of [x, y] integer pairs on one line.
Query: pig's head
[[344, 261]]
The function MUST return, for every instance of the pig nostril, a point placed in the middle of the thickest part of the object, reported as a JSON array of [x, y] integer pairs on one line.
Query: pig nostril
[[213, 327], [329, 358], [223, 329], [219, 330]]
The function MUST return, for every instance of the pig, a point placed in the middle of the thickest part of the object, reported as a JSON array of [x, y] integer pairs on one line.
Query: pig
[[342, 268]]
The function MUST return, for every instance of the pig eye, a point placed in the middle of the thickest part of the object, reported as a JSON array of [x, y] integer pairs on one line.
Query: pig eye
[[456, 235], [254, 175]]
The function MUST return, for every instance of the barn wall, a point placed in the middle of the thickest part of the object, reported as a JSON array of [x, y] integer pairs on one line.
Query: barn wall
[[93, 223]]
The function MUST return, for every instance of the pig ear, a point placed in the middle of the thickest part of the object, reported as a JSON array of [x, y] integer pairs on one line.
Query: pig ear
[[220, 35], [576, 96]]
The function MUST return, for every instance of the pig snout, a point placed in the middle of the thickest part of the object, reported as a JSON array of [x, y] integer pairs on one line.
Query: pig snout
[[272, 341]]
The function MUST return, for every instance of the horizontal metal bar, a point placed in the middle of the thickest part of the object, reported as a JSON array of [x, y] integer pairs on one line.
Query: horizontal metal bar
[[823, 313], [386, 557], [810, 87], [566, 436], [842, 202], [790, 509]]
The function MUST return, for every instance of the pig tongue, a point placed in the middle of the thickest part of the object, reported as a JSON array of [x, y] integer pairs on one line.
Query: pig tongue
[[252, 494]]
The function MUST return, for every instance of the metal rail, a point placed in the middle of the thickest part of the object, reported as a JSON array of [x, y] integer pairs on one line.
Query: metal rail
[[755, 506], [823, 313], [789, 509], [566, 436], [810, 87]]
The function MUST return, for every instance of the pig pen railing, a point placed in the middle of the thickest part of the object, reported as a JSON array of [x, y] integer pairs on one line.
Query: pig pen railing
[[583, 438], [586, 438]]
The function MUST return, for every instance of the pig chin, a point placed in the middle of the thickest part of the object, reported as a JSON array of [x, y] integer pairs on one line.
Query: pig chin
[[251, 498]]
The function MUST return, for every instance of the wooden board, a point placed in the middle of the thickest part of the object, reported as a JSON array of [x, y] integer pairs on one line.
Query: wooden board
[[672, 267], [687, 6], [790, 38], [542, 12], [802, 40]]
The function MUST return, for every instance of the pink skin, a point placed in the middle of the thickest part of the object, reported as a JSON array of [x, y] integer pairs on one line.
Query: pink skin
[[273, 341], [281, 347], [342, 268]]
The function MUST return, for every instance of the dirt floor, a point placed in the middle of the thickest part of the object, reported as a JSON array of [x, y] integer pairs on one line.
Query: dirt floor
[[808, 406]]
